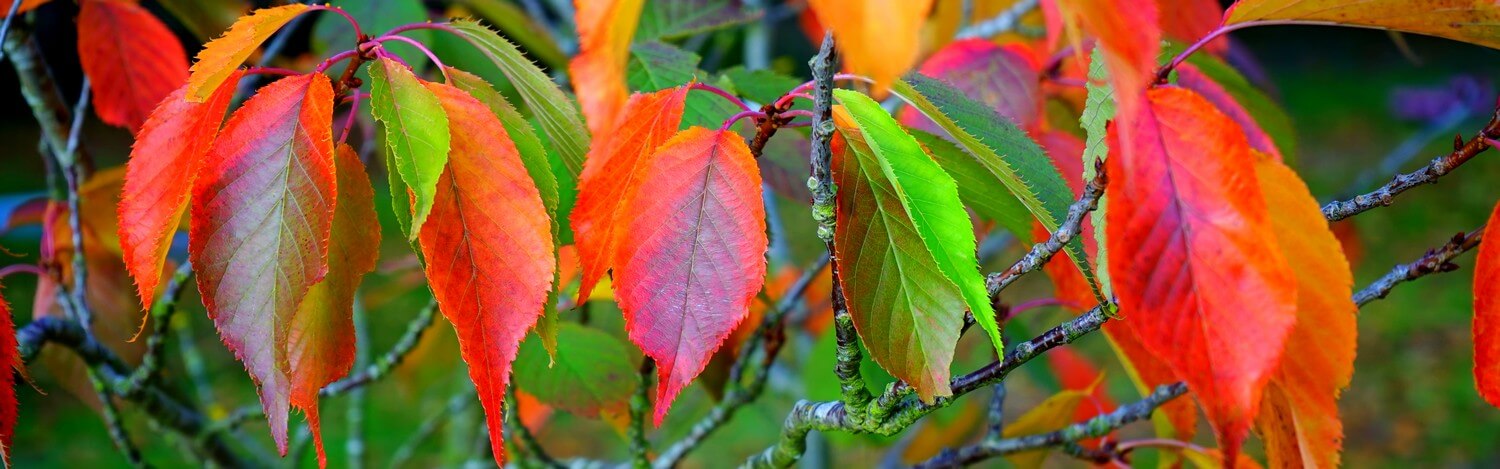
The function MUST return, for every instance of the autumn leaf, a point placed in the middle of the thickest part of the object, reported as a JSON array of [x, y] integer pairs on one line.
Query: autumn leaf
[[1188, 76], [1051, 415], [26, 5], [905, 309], [416, 135], [1299, 418], [988, 73], [605, 28], [1191, 20], [928, 195], [1471, 21], [320, 344], [10, 358], [220, 57], [168, 153], [685, 288], [648, 120], [1128, 34], [132, 59], [879, 39], [1193, 256], [263, 209], [488, 247], [1487, 312]]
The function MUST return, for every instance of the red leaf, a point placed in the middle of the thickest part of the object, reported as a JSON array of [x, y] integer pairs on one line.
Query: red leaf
[[133, 59], [488, 246], [693, 253], [1487, 312], [1188, 76], [10, 357], [613, 162], [1196, 269], [1130, 37], [26, 5], [159, 177], [263, 209], [1191, 20], [1299, 419], [320, 347], [1000, 77]]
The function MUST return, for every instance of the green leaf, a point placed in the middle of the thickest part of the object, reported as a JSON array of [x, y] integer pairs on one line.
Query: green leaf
[[557, 114], [906, 309], [416, 133], [593, 370], [1098, 110], [976, 187], [762, 86], [1012, 158], [674, 19], [515, 24], [930, 197], [655, 66]]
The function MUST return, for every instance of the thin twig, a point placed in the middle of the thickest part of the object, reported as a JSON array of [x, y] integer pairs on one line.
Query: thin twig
[[1066, 231], [354, 444], [460, 402], [1092, 428], [529, 440], [161, 317], [1440, 166], [390, 359], [1435, 261]]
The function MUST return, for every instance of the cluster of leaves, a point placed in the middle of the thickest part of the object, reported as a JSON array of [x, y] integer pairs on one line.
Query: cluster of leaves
[[1220, 261]]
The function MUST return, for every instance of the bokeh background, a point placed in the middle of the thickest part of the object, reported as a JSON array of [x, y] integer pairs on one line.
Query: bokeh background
[[1363, 104]]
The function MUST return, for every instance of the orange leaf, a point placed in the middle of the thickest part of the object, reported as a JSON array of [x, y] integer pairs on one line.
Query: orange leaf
[[879, 39], [133, 59], [260, 222], [166, 158], [320, 347], [488, 246], [1299, 418], [1190, 77], [1487, 312], [26, 5], [1130, 37], [1193, 257], [696, 237], [605, 28], [221, 56], [611, 166], [1472, 21]]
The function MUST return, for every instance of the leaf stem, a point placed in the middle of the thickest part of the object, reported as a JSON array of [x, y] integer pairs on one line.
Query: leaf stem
[[258, 70], [358, 33], [425, 51], [697, 85], [335, 58], [756, 115]]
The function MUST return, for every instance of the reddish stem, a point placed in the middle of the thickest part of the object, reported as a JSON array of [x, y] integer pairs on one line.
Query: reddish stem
[[757, 115], [359, 33], [18, 268], [349, 121], [271, 71], [414, 43], [719, 91], [336, 58], [1161, 75]]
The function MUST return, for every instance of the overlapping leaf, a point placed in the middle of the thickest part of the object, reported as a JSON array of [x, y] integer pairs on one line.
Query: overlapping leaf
[[981, 70], [488, 248], [1473, 21], [592, 370], [168, 152], [1191, 20], [672, 19], [976, 186], [1052, 414], [1266, 112], [10, 358], [1130, 37], [26, 5], [928, 194], [263, 209], [221, 56], [1299, 418], [1188, 76], [1486, 330], [416, 136], [880, 39], [1193, 256], [605, 28], [906, 310], [1004, 150], [648, 121], [692, 254], [320, 344], [133, 59]]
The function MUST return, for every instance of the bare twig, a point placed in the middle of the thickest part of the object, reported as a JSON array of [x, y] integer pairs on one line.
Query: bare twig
[[1092, 428], [1442, 165], [1435, 261], [1042, 252]]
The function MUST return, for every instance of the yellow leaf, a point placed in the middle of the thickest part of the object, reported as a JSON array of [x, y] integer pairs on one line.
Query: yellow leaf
[[1051, 415], [221, 56], [1299, 418], [1473, 21], [879, 39], [605, 28]]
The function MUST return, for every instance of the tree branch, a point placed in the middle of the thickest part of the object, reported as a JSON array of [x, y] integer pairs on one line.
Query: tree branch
[[1004, 22], [391, 358], [1435, 261], [1442, 165], [161, 317], [1042, 252], [1091, 428]]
